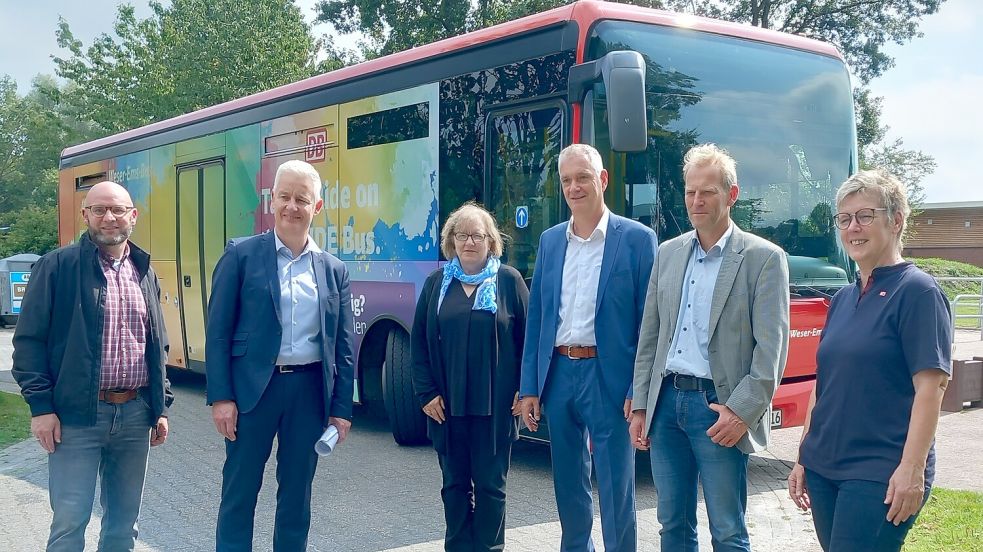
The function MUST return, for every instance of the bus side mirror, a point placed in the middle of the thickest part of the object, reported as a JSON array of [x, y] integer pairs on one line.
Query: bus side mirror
[[623, 74]]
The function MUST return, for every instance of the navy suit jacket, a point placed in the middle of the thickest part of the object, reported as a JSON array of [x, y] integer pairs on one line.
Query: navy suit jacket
[[629, 252], [244, 329]]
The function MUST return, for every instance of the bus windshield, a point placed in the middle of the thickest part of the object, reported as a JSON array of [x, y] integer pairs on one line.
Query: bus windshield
[[785, 115]]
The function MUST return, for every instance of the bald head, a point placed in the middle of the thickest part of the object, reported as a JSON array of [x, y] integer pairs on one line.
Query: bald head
[[109, 213], [107, 193]]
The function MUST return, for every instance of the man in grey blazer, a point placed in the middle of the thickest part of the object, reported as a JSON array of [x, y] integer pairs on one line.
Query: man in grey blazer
[[711, 352]]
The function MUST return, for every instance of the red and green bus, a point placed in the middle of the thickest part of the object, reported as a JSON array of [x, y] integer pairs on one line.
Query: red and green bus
[[401, 141]]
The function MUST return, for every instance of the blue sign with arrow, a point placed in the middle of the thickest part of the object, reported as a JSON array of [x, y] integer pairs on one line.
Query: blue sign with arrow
[[521, 216]]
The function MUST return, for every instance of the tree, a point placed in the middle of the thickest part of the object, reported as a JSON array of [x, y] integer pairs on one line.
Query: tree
[[32, 134], [188, 55], [858, 28], [12, 136], [910, 166], [390, 27], [33, 229]]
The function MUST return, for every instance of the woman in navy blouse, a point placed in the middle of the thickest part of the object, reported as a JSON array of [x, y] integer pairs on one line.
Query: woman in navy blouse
[[467, 344], [867, 456]]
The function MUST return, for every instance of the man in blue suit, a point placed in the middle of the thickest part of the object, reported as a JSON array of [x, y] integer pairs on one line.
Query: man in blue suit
[[279, 362], [585, 309]]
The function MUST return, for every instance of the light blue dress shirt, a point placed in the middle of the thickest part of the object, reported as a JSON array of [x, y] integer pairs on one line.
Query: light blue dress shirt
[[689, 352], [299, 309]]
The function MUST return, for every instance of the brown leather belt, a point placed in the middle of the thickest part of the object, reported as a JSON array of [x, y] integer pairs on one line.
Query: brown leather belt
[[577, 352], [117, 396]]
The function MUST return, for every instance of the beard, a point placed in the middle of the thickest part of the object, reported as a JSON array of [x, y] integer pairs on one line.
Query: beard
[[102, 238]]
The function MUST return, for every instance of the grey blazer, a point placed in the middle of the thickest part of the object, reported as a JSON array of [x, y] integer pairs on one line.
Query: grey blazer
[[748, 328]]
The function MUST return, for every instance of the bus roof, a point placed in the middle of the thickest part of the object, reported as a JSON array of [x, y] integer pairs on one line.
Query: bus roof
[[583, 12]]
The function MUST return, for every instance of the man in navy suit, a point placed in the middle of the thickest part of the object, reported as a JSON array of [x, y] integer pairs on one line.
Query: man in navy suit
[[585, 309], [279, 362]]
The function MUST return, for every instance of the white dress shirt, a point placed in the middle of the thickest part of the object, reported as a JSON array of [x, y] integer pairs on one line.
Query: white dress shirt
[[689, 351], [578, 291]]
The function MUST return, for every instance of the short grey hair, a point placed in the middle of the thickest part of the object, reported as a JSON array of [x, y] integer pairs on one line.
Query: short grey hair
[[592, 155], [299, 168], [714, 156], [470, 212], [884, 186]]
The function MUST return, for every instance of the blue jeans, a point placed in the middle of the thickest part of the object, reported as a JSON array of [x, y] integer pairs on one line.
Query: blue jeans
[[851, 515], [681, 454], [115, 449]]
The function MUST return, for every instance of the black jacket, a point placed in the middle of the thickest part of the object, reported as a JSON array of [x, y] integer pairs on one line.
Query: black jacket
[[429, 376], [58, 340]]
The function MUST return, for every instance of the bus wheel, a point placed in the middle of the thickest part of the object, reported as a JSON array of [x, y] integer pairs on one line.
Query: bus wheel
[[407, 420]]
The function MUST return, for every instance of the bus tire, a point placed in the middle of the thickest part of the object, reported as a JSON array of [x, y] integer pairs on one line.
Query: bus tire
[[406, 419]]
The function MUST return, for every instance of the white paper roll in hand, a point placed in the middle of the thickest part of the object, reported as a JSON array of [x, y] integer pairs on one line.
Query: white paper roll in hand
[[326, 443]]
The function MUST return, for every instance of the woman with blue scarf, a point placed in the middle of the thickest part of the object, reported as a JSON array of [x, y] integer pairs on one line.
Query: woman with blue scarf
[[467, 346]]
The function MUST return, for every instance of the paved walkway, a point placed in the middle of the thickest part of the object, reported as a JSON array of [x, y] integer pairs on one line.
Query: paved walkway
[[967, 345], [180, 498]]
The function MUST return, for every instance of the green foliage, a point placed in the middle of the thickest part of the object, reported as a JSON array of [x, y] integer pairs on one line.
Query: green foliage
[[860, 30], [33, 131], [15, 419], [910, 166], [940, 268], [33, 229], [390, 27], [951, 520], [190, 54]]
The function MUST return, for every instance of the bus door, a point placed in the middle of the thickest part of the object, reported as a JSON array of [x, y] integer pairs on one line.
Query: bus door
[[201, 241], [522, 183]]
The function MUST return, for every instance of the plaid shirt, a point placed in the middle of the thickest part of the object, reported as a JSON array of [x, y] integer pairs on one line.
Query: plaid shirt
[[124, 330]]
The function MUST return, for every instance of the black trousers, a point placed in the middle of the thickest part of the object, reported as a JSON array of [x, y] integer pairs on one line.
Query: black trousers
[[292, 410], [474, 485]]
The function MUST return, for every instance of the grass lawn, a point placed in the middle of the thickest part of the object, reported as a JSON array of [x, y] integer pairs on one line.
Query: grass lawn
[[967, 322], [952, 520], [15, 419]]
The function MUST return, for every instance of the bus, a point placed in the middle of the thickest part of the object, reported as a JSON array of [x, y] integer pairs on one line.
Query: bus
[[402, 140]]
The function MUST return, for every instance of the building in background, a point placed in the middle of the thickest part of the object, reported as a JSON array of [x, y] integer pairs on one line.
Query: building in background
[[952, 231]]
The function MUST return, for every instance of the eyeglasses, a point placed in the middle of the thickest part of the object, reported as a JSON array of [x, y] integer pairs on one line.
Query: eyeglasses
[[865, 217], [116, 210], [463, 237]]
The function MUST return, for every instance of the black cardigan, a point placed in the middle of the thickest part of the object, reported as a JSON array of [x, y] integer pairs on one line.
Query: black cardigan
[[429, 377]]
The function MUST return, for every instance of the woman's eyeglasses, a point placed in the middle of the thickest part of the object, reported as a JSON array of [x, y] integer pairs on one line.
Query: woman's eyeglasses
[[865, 217], [463, 237]]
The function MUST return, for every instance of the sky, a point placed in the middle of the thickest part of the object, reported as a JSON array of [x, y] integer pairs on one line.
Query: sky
[[930, 96]]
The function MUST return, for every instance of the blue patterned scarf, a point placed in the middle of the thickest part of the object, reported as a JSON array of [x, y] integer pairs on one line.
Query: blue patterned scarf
[[486, 280]]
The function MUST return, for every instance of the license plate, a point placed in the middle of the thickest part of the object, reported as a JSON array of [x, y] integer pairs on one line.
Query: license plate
[[776, 418]]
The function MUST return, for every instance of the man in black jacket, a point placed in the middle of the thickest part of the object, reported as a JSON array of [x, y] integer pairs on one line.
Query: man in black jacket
[[89, 354]]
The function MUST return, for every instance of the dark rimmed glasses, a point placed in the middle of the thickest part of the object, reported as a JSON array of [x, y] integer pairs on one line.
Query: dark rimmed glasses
[[116, 210], [463, 237], [865, 217]]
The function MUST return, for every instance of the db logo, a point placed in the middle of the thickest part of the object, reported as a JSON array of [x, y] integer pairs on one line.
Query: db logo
[[315, 145]]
